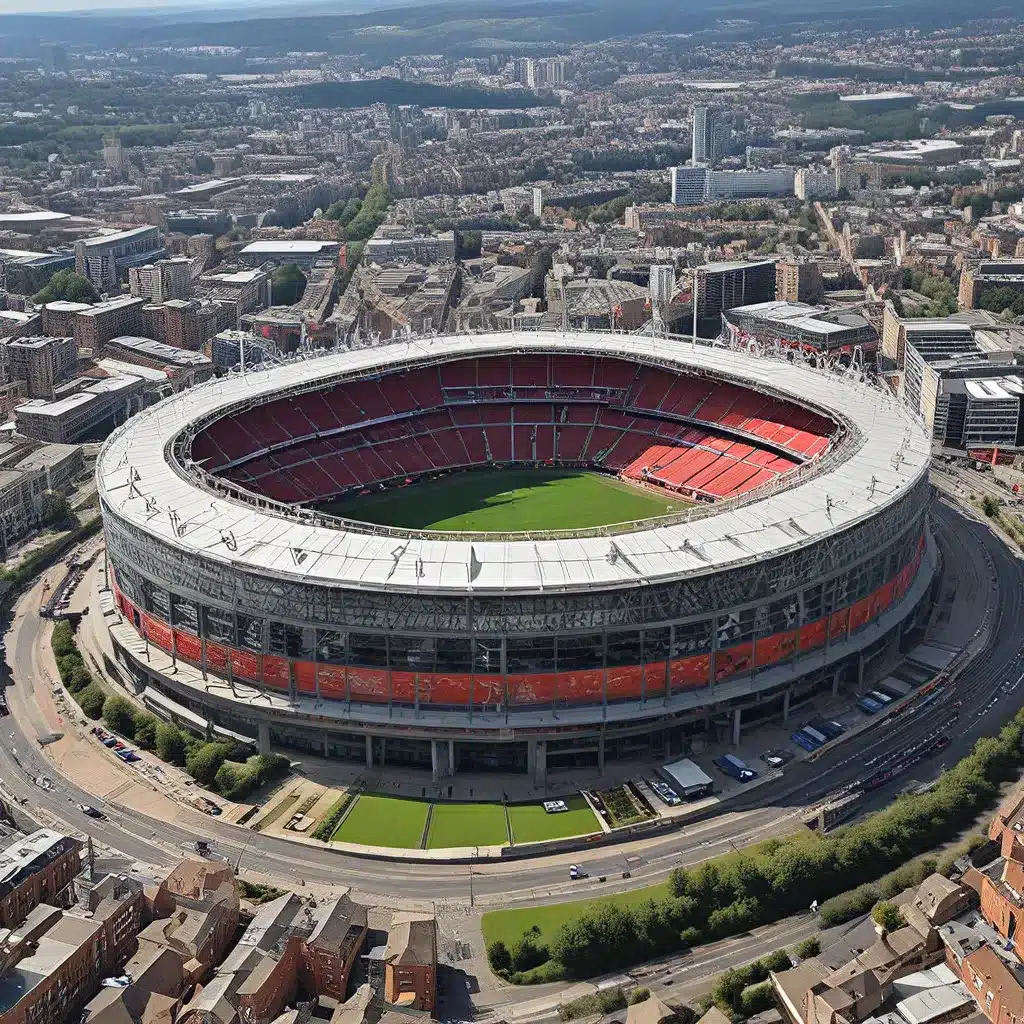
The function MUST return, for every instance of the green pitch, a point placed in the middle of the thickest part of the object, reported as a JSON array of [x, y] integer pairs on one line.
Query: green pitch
[[504, 500], [384, 821], [467, 825], [532, 824]]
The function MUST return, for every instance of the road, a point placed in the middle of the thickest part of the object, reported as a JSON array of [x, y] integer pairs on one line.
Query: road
[[996, 576]]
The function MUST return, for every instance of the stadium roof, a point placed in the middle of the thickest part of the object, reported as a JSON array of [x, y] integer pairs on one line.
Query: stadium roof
[[888, 452]]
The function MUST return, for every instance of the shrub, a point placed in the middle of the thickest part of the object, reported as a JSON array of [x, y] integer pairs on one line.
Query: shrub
[[91, 701], [691, 936], [639, 995], [170, 744], [63, 639], [756, 999], [990, 506], [145, 730], [848, 905], [119, 714], [527, 954], [67, 664], [332, 819], [499, 957], [808, 948], [80, 679]]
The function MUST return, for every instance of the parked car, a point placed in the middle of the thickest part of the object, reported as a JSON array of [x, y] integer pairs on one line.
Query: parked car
[[92, 812], [576, 872], [664, 792]]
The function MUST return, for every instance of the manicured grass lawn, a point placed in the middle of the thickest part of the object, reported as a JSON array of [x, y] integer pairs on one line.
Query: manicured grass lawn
[[532, 824], [384, 821], [506, 500], [467, 825], [509, 925]]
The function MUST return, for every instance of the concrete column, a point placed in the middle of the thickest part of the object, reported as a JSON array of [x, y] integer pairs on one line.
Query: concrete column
[[263, 739], [326, 741], [835, 683], [435, 772], [531, 759], [736, 727], [860, 670], [369, 751], [451, 757], [785, 705], [541, 765], [600, 753]]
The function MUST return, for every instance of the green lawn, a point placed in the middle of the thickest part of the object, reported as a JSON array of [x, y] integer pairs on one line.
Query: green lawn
[[507, 500], [384, 821], [532, 824], [509, 925], [467, 825]]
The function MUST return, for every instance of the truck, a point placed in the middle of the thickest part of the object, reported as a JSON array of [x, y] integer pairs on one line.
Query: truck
[[881, 698], [732, 765]]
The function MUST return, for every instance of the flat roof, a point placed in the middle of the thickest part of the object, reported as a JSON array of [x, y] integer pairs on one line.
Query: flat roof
[[116, 236], [862, 97], [891, 454], [687, 773], [287, 245], [33, 217], [159, 350]]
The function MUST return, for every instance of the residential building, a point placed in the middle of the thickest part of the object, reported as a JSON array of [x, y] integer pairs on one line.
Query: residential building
[[21, 496], [42, 363], [36, 869], [186, 323], [989, 274], [106, 259], [811, 184], [24, 272], [15, 323], [181, 365], [84, 415], [723, 286], [871, 970], [163, 280], [410, 962], [59, 317], [708, 143], [58, 465], [288, 947], [244, 289], [226, 351], [693, 186], [54, 962], [799, 281], [95, 326], [113, 155], [662, 283], [401, 246]]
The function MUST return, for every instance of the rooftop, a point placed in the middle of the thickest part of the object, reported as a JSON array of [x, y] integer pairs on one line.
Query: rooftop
[[286, 246], [134, 477]]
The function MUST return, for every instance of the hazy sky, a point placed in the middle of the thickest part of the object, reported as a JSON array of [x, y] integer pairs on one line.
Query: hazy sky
[[48, 6]]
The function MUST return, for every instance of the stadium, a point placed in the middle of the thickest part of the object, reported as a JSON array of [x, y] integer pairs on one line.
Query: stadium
[[324, 555]]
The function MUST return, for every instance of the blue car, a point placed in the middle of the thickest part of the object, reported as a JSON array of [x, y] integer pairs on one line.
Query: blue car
[[801, 739], [870, 706]]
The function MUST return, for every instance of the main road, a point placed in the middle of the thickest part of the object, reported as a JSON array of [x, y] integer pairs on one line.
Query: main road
[[972, 556]]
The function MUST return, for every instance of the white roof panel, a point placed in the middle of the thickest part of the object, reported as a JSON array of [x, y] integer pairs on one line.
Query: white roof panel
[[886, 452]]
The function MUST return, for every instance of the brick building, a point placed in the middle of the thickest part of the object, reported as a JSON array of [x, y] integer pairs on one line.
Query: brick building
[[36, 869], [799, 282], [106, 320], [163, 280], [410, 962], [40, 362], [59, 318]]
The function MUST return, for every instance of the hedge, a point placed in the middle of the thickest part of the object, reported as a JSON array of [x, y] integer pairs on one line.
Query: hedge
[[332, 819]]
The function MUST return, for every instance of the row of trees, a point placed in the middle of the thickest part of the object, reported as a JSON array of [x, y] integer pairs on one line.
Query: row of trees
[[743, 890], [1000, 300], [228, 768], [361, 217]]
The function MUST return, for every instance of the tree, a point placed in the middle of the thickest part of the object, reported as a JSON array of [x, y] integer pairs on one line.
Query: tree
[[990, 506], [67, 286], [55, 509], [91, 701], [203, 762], [498, 956], [170, 744], [119, 714], [204, 164], [145, 730], [888, 916], [808, 948], [288, 283]]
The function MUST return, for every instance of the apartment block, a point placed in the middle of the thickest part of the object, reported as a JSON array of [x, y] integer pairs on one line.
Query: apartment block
[[163, 280], [106, 259], [36, 869], [98, 324], [410, 962], [40, 362], [59, 318]]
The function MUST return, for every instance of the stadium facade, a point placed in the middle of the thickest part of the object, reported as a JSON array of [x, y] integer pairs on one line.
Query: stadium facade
[[804, 561]]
